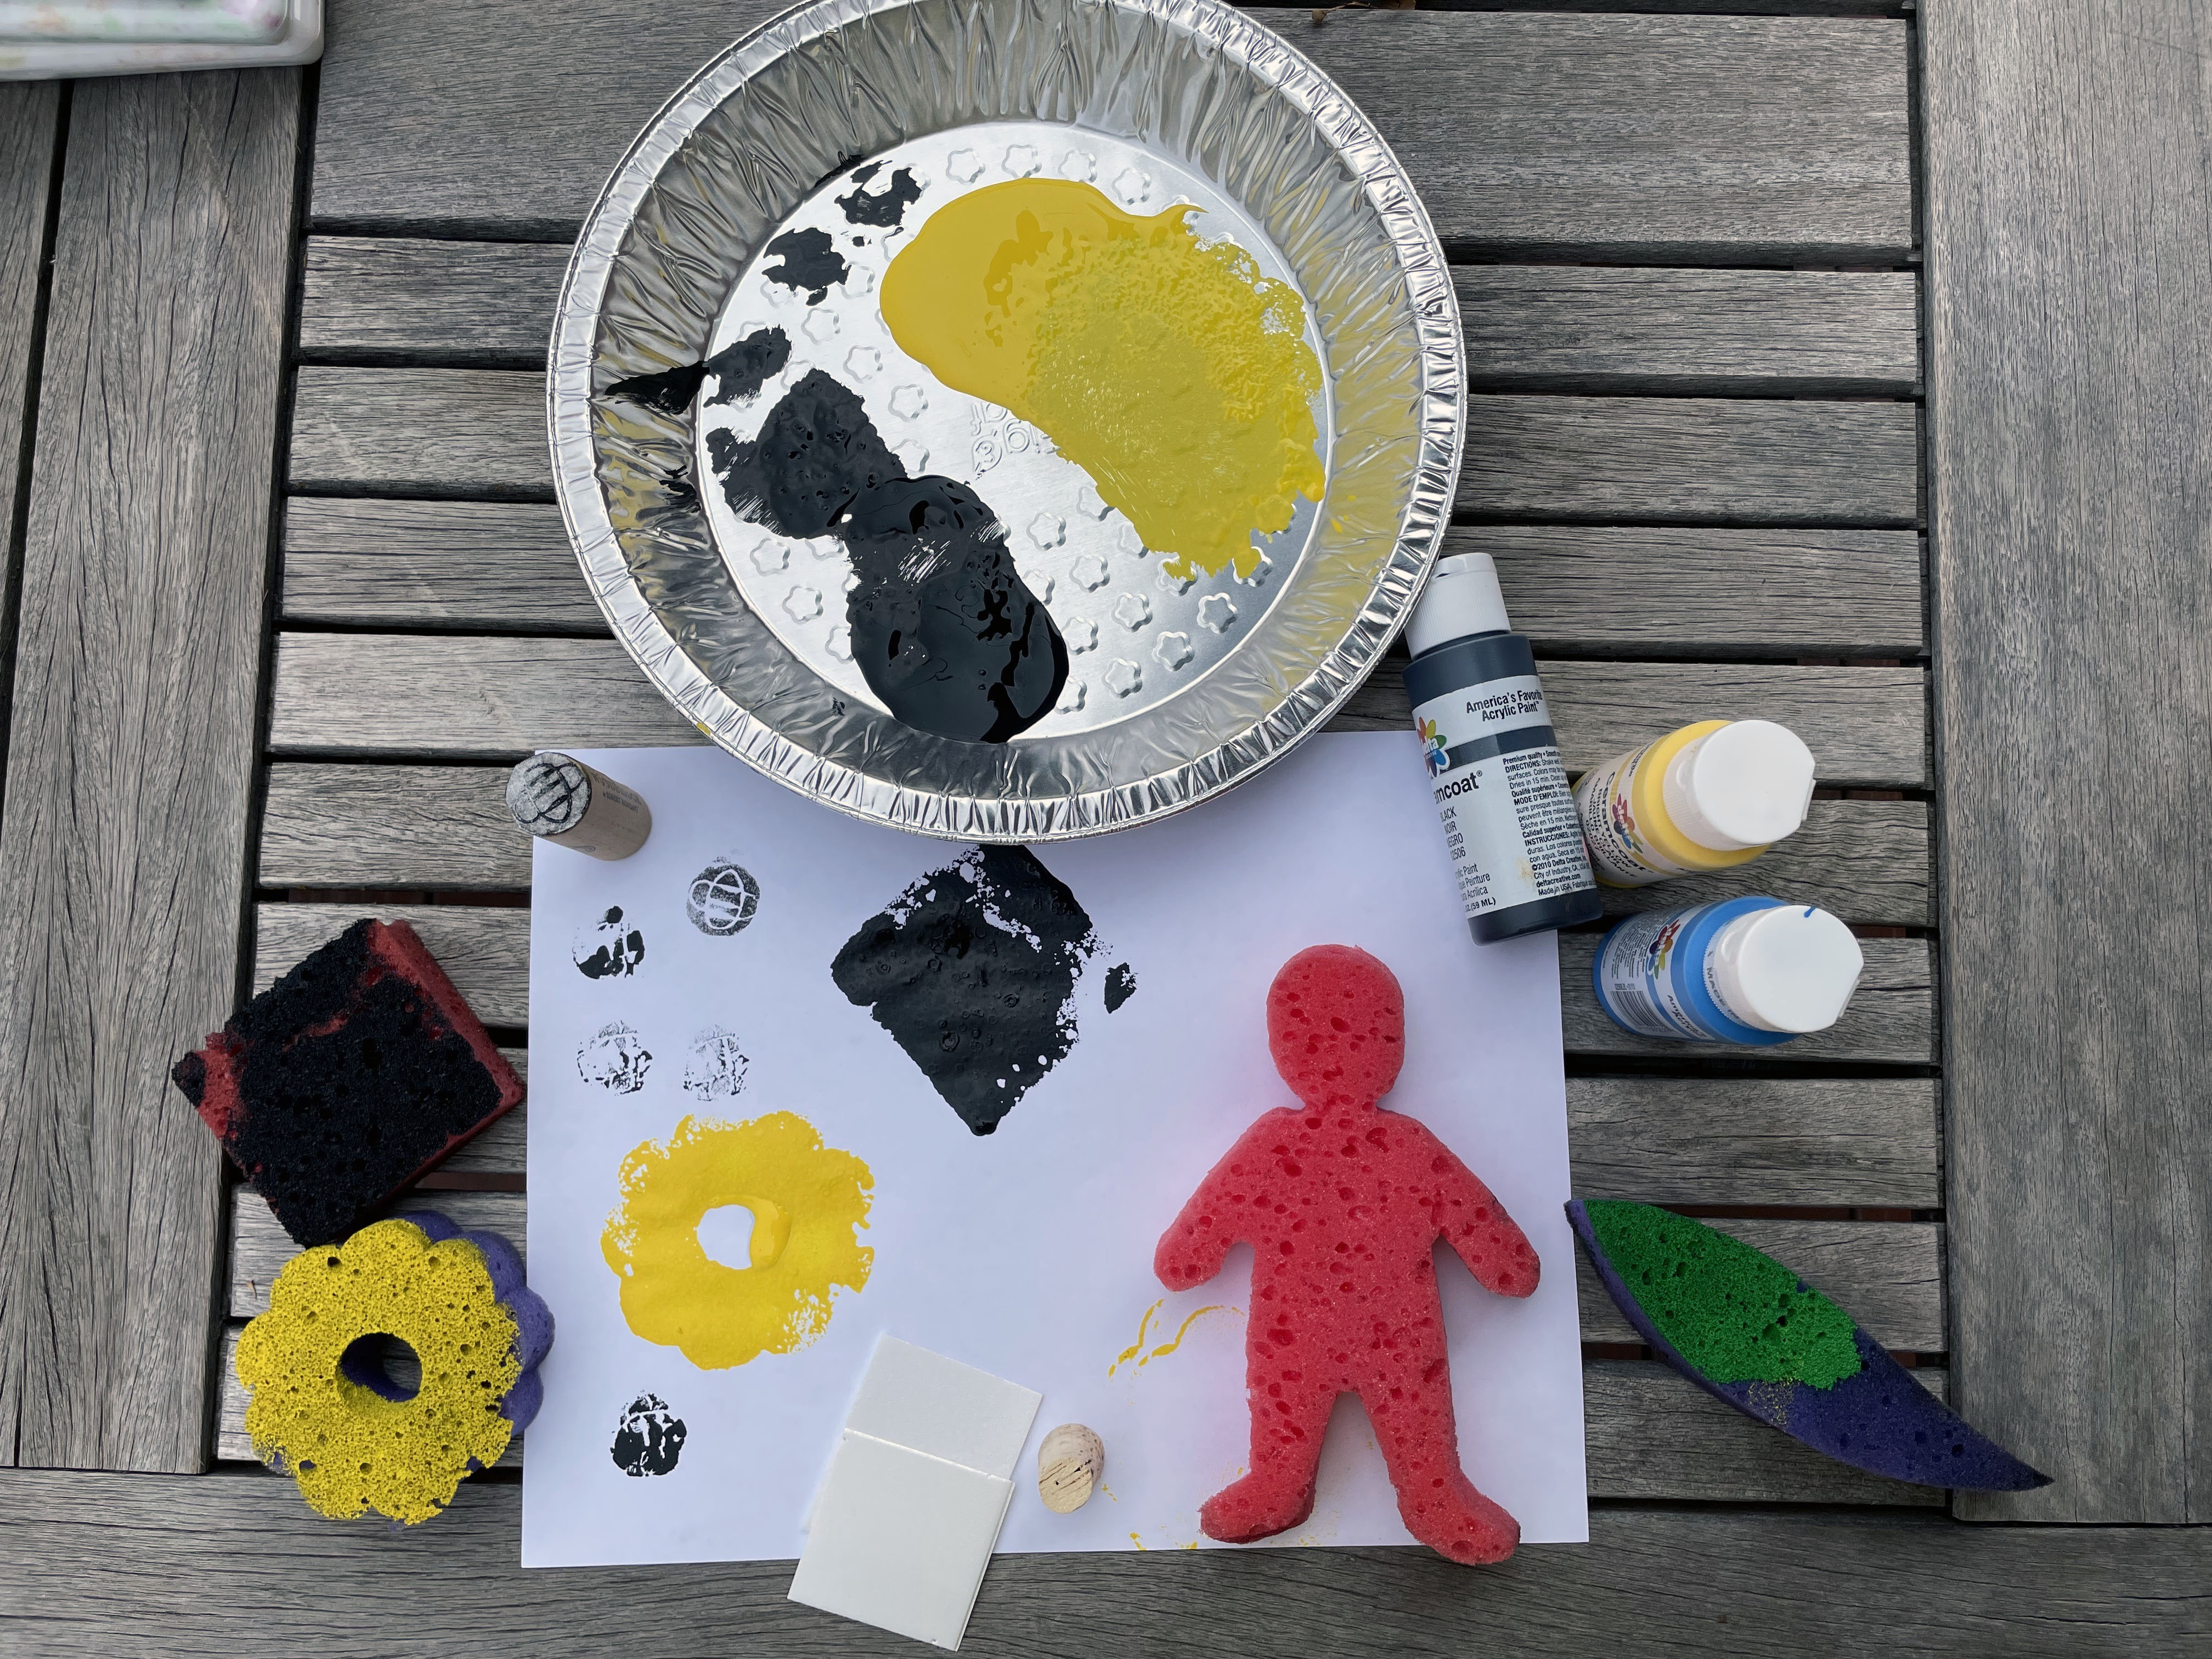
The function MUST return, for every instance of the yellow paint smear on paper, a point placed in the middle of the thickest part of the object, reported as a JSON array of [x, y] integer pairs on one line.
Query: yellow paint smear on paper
[[1171, 371], [1183, 1330], [1136, 1350], [810, 1203]]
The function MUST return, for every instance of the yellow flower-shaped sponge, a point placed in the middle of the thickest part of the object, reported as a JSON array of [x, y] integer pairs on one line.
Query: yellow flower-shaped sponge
[[809, 1201], [352, 1446]]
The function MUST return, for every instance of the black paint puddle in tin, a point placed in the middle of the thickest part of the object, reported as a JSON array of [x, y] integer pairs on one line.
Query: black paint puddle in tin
[[649, 1438], [810, 264], [740, 369], [972, 970], [944, 630], [882, 209]]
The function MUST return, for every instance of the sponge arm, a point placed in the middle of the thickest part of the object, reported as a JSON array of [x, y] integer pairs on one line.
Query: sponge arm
[[1475, 1225], [1198, 1241]]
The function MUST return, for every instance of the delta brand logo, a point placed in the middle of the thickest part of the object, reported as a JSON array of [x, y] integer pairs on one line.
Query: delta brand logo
[[1432, 747]]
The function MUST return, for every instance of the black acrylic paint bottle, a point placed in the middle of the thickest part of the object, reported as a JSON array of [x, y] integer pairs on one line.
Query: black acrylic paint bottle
[[1509, 818]]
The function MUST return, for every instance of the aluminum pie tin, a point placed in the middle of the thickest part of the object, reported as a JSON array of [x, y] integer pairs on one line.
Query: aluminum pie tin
[[1177, 690]]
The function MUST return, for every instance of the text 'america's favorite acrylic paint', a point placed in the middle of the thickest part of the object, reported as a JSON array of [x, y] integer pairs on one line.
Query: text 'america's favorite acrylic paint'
[[1706, 796], [1751, 971], [1494, 768]]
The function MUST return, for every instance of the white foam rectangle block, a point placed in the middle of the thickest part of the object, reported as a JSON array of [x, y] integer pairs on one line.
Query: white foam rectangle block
[[912, 1397], [901, 1539]]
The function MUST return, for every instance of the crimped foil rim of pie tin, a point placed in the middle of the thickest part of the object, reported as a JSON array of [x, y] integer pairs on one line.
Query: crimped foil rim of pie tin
[[711, 178]]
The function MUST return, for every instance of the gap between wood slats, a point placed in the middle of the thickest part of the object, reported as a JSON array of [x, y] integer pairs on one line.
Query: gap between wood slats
[[1577, 590], [486, 952], [1545, 328], [498, 697], [1648, 1434], [481, 433], [1701, 140], [448, 827]]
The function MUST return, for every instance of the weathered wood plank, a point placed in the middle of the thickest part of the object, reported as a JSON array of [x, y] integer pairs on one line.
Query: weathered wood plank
[[504, 565], [1681, 460], [486, 951], [30, 135], [1739, 1142], [1547, 328], [1650, 1580], [488, 698], [1650, 1435], [2070, 209], [1743, 1142], [1676, 592], [428, 300], [132, 753], [1712, 140], [1887, 1274], [1865, 860], [1892, 1018], [235, 1566], [1691, 333], [387, 826], [472, 431], [1867, 727], [1580, 589], [448, 827], [1646, 460]]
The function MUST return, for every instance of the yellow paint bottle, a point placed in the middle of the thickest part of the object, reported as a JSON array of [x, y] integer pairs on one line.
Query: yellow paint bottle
[[1706, 796]]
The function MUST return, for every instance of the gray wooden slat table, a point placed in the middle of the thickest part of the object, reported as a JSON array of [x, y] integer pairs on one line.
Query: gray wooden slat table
[[284, 623]]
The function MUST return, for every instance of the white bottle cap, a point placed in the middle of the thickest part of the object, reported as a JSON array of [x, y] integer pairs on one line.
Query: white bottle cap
[[1745, 785], [1461, 599], [1790, 968]]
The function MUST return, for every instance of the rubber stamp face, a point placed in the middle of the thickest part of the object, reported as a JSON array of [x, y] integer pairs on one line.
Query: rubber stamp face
[[548, 794]]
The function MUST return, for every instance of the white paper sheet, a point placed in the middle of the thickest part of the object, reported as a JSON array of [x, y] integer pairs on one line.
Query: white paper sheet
[[1028, 1253]]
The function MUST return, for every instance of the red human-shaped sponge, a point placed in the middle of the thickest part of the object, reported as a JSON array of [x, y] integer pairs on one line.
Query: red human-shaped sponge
[[1342, 1203]]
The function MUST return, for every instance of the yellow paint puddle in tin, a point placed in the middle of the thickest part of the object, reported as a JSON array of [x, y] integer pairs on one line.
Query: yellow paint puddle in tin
[[1171, 370]]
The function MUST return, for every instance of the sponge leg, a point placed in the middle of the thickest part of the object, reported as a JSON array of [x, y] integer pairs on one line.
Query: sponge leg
[[1438, 1504], [1278, 1492]]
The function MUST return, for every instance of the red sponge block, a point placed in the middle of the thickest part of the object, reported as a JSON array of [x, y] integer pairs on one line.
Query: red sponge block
[[1342, 1203]]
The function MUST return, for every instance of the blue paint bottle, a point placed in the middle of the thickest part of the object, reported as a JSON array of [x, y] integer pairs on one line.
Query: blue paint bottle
[[1750, 971], [1494, 768]]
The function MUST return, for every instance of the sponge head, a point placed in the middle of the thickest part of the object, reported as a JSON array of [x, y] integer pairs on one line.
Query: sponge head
[[1336, 1025]]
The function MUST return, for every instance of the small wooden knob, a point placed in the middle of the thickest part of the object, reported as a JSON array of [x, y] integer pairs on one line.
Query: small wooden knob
[[1069, 1465]]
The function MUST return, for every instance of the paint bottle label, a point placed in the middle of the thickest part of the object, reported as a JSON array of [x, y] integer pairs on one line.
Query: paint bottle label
[[1494, 770], [1620, 849], [1635, 980]]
